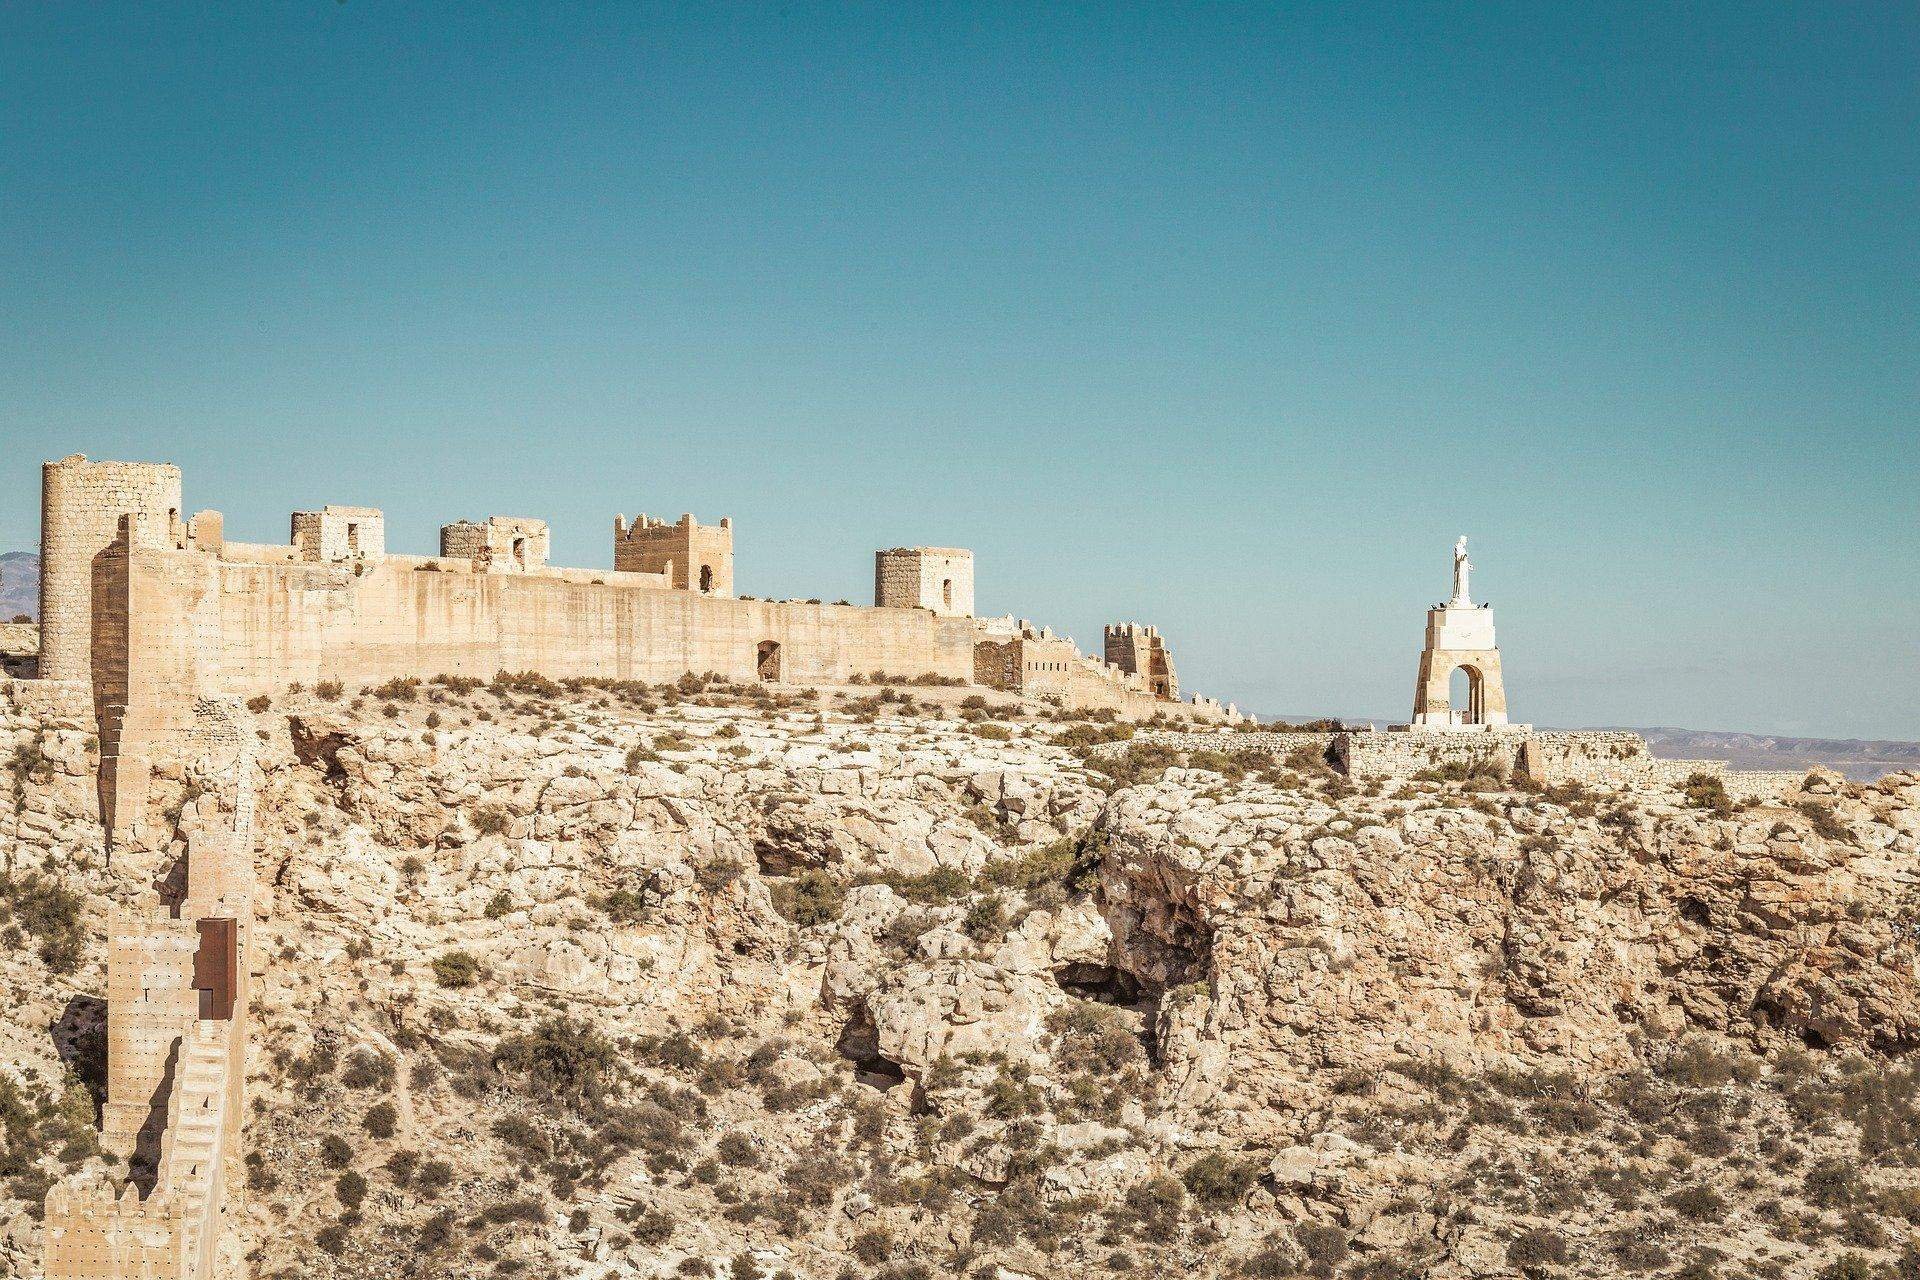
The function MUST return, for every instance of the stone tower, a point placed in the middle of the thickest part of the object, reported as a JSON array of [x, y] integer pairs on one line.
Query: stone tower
[[696, 557], [504, 544], [936, 578], [1140, 651], [81, 505], [1460, 637]]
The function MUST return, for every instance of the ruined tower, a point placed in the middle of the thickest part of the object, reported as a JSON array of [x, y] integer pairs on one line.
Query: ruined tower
[[1140, 651], [936, 578], [81, 506], [698, 557], [1460, 638], [336, 534], [504, 544]]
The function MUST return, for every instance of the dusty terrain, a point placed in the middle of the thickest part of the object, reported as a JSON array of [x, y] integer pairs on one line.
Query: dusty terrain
[[703, 981]]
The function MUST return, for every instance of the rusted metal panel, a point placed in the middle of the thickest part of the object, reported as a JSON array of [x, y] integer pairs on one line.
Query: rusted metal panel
[[216, 968]]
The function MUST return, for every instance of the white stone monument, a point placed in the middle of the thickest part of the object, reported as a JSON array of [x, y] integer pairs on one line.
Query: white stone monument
[[1460, 637]]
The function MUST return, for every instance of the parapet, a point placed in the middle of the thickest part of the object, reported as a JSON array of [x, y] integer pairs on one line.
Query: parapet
[[94, 1229], [335, 534]]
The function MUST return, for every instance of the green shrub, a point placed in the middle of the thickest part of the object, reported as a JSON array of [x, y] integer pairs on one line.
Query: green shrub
[[1324, 1245], [1537, 1248], [368, 1069], [813, 897], [49, 912], [1216, 1181], [434, 1177], [942, 884], [1155, 1202], [491, 820], [716, 875], [1826, 824], [1831, 1184], [1707, 791], [351, 1188], [624, 905], [562, 1059], [457, 969], [1700, 1204], [381, 1120]]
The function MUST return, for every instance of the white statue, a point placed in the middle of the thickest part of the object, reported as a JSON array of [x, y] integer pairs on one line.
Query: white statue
[[1461, 566]]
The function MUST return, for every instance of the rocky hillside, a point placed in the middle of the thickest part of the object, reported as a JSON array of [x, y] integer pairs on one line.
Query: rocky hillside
[[699, 981]]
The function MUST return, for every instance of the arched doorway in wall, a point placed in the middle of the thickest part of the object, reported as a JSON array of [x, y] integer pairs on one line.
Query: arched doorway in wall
[[946, 593], [1466, 695], [767, 661], [706, 578], [520, 553]]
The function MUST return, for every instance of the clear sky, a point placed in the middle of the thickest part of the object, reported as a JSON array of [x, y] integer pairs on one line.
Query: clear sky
[[1228, 319]]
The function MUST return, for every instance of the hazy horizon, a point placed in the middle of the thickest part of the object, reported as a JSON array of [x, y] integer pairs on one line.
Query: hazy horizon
[[1224, 319]]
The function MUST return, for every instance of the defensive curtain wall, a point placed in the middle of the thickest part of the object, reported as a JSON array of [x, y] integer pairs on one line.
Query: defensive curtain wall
[[159, 613], [154, 629]]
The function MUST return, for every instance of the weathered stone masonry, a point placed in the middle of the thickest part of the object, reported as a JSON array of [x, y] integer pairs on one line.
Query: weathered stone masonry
[[176, 613]]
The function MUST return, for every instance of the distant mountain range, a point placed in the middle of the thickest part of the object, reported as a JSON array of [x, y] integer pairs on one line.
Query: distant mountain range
[[1858, 758], [19, 585]]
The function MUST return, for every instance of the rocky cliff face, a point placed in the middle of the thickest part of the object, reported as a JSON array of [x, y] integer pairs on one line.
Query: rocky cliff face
[[629, 982]]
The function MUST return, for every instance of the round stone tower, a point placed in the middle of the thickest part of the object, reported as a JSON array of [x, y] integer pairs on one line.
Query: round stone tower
[[81, 503]]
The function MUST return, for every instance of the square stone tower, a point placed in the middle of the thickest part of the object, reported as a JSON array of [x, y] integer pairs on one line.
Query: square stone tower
[[696, 557], [1140, 651], [335, 534], [506, 544], [936, 578]]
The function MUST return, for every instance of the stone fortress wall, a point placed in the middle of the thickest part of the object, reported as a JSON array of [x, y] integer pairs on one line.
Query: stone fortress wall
[[178, 976], [175, 614]]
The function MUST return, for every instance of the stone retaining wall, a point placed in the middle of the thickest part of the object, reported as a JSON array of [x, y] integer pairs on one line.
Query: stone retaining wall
[[1603, 758]]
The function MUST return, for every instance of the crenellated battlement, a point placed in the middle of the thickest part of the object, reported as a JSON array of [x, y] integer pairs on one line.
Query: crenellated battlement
[[692, 556]]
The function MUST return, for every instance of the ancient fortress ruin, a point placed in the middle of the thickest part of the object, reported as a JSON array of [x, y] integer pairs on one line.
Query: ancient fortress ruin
[[156, 629], [159, 627], [160, 613]]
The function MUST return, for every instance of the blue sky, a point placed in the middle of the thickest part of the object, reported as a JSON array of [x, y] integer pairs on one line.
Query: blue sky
[[1228, 319]]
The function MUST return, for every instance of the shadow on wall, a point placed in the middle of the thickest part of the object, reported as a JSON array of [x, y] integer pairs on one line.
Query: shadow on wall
[[80, 1038], [144, 1168]]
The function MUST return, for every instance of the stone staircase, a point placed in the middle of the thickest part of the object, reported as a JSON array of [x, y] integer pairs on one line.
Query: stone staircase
[[190, 1165]]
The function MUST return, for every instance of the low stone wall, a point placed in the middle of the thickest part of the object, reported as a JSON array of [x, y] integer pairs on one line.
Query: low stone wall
[[1225, 740], [19, 649], [1606, 759], [1764, 784], [1401, 755]]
